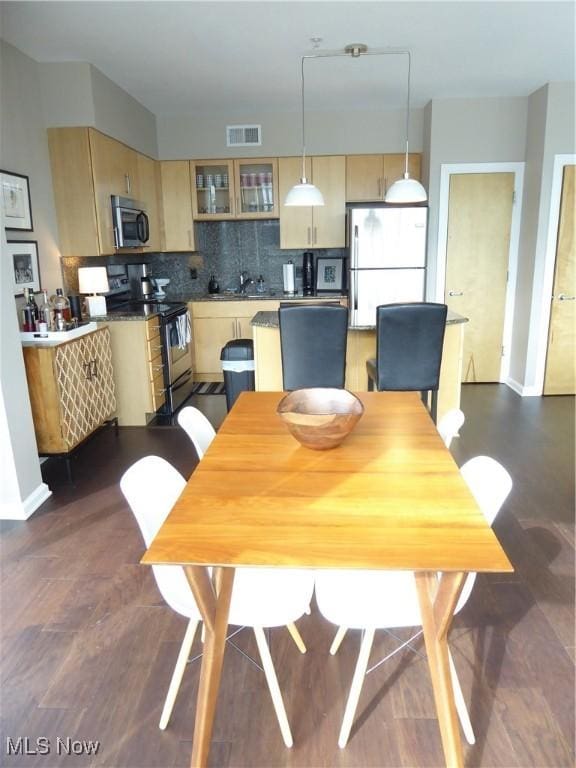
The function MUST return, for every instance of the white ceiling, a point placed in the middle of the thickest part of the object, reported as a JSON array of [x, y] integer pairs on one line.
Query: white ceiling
[[178, 57]]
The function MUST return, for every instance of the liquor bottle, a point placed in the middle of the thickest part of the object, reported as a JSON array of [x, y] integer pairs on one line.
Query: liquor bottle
[[27, 313], [34, 307], [60, 306], [45, 312]]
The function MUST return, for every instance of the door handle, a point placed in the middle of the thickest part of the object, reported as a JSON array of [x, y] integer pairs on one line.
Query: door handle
[[455, 293], [563, 297], [308, 239], [315, 236]]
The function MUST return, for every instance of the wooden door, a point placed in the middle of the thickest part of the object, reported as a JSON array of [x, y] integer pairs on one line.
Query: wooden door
[[394, 167], [295, 221], [149, 183], [177, 224], [364, 174], [479, 222], [329, 220], [560, 375]]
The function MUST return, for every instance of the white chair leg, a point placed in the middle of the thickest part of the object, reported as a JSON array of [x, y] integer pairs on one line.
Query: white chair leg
[[273, 686], [356, 687], [461, 704], [183, 656], [296, 636], [338, 637]]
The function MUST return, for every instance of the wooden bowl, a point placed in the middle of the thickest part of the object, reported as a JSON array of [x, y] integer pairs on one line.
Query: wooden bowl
[[320, 418]]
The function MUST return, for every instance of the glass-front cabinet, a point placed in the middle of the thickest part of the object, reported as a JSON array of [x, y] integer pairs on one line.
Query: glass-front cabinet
[[235, 189], [213, 189], [256, 183]]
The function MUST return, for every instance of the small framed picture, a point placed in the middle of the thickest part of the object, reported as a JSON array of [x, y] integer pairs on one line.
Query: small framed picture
[[329, 275], [15, 201], [24, 255]]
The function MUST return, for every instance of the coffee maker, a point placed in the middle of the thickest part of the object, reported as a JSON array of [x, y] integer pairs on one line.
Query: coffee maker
[[308, 273], [141, 287]]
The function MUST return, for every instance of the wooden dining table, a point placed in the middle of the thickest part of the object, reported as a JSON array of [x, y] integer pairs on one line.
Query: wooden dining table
[[390, 497]]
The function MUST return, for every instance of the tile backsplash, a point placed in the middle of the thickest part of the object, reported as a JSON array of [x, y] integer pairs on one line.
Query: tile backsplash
[[224, 249]]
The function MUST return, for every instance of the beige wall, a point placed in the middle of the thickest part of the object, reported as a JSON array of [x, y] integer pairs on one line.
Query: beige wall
[[23, 149], [66, 93], [339, 133], [76, 93], [119, 115], [470, 131], [551, 132]]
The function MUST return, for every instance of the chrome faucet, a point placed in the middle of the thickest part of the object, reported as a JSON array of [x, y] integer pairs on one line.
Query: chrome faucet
[[245, 281]]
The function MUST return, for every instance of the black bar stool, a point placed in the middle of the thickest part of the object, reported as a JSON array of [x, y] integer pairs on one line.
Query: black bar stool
[[313, 345], [409, 340]]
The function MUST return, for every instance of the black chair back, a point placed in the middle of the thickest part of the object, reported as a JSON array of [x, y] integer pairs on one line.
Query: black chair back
[[409, 340], [313, 344]]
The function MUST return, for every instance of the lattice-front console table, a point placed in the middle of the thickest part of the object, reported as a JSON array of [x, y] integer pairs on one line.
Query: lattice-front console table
[[71, 388]]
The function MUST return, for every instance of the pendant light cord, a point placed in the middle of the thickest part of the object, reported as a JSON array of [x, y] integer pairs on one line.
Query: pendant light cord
[[357, 54], [303, 126]]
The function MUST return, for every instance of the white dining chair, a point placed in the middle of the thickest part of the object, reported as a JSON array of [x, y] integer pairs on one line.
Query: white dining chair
[[261, 597], [197, 427], [449, 425], [347, 598]]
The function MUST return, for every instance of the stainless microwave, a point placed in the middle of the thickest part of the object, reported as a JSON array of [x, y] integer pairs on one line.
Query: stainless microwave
[[131, 227]]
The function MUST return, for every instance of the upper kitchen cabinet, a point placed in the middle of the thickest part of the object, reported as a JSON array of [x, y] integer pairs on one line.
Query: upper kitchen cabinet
[[235, 189], [368, 177], [115, 172], [149, 191], [313, 227], [87, 169], [256, 185], [177, 199]]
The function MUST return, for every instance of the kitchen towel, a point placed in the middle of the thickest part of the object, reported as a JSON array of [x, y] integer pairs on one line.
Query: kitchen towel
[[183, 330]]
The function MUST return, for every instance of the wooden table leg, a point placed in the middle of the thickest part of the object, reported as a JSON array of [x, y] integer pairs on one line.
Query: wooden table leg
[[438, 600], [214, 603]]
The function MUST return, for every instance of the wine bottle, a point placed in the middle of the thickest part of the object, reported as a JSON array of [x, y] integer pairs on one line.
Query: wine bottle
[[34, 309], [45, 312], [27, 313]]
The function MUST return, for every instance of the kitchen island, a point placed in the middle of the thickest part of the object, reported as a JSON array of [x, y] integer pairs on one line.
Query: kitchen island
[[361, 346]]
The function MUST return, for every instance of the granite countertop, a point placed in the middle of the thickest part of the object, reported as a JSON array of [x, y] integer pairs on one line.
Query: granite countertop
[[270, 320], [269, 295]]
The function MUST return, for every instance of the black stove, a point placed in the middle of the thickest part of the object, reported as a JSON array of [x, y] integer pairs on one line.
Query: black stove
[[153, 307]]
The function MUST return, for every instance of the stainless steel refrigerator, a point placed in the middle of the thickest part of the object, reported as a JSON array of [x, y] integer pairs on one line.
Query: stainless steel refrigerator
[[387, 258]]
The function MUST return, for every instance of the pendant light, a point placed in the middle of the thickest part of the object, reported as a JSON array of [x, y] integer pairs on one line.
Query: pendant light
[[304, 193], [406, 190]]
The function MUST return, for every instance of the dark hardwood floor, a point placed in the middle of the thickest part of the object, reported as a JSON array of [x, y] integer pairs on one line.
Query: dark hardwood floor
[[88, 646]]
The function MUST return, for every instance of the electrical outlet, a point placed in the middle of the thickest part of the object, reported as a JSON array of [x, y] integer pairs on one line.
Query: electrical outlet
[[193, 273]]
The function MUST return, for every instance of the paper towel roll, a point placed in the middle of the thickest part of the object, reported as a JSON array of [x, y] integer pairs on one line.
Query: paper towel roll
[[288, 277]]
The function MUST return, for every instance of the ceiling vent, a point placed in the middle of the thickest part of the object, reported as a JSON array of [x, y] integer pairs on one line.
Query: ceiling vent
[[243, 135]]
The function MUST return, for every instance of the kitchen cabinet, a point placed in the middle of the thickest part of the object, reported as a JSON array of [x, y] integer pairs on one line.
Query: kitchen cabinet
[[71, 388], [87, 169], [149, 190], [368, 177], [214, 323], [176, 195], [235, 189], [314, 227], [115, 172], [138, 370]]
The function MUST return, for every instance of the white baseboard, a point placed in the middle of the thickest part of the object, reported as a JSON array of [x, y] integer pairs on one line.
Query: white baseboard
[[24, 509], [522, 390]]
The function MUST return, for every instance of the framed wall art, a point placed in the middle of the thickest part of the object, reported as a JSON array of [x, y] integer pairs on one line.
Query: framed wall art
[[330, 275], [15, 201], [24, 255]]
